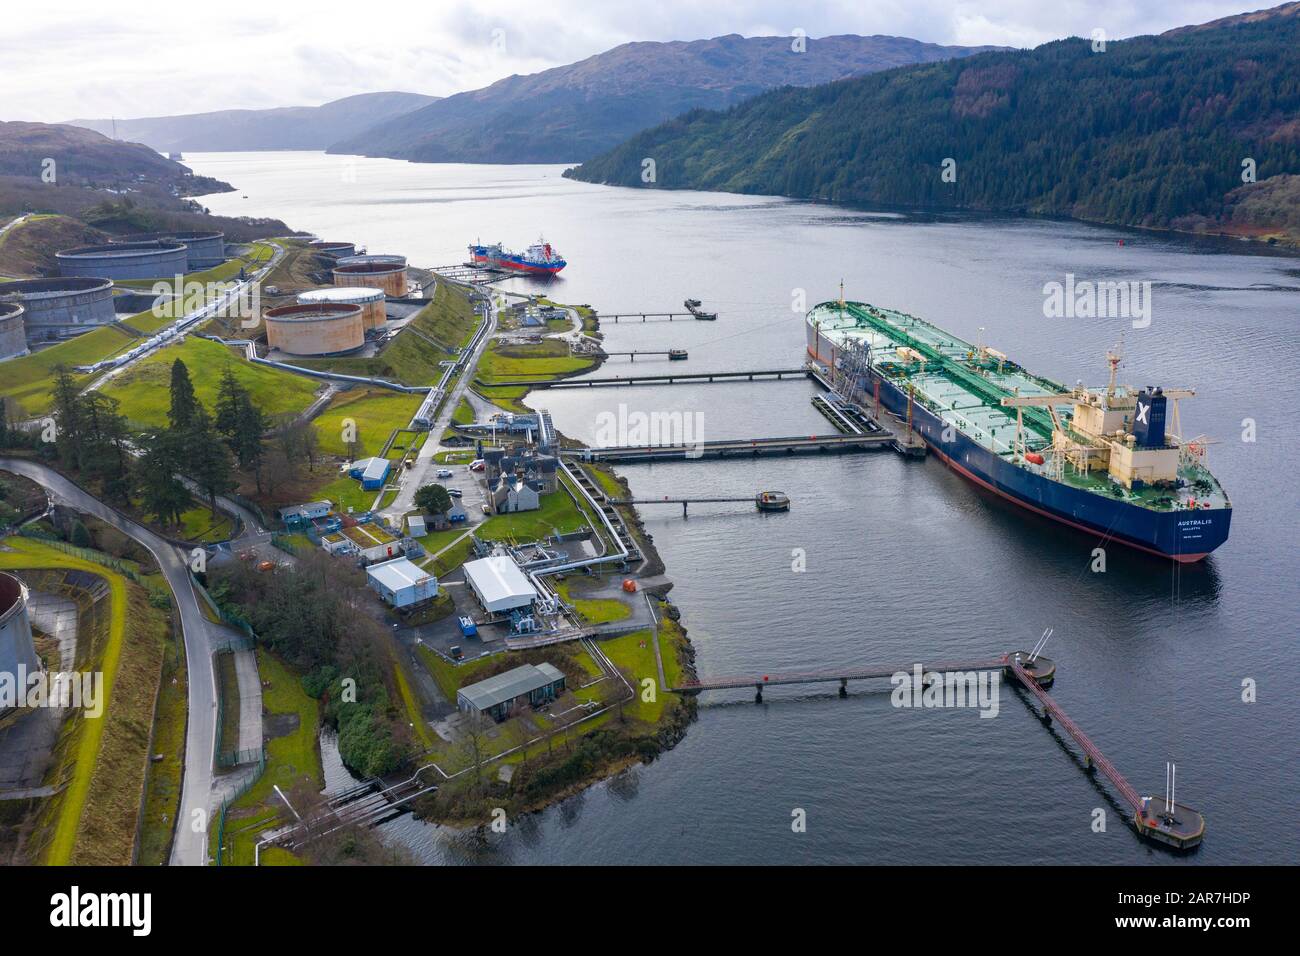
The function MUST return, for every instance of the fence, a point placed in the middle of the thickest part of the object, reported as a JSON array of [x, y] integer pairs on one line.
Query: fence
[[243, 788], [125, 568]]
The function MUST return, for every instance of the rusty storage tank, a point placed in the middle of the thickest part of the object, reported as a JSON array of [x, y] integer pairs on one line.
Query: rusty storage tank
[[154, 259], [384, 272], [60, 308], [370, 300], [17, 650], [322, 328], [204, 250], [13, 338]]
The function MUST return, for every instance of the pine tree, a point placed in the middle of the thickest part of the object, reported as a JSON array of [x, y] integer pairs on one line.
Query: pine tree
[[207, 459], [161, 493], [184, 404]]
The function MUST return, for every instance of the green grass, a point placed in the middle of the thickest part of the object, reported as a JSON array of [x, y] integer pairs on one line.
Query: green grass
[[293, 757], [143, 389], [557, 514], [593, 610], [29, 381], [346, 493], [637, 662], [547, 359], [163, 783], [373, 414], [197, 524], [464, 413]]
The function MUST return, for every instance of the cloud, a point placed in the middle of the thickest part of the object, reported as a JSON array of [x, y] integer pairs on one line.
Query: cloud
[[154, 58]]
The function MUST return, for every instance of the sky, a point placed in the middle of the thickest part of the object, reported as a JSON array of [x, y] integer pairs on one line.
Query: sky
[[83, 60]]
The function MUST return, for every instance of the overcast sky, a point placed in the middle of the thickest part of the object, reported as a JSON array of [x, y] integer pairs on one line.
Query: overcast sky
[[81, 59]]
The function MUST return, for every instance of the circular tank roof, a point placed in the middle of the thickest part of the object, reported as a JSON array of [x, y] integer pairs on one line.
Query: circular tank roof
[[312, 312], [50, 288], [9, 309], [194, 235], [368, 268], [115, 250], [346, 294], [13, 595], [388, 260]]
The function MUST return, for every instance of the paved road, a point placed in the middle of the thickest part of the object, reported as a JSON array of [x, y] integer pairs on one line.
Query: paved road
[[190, 848], [420, 472]]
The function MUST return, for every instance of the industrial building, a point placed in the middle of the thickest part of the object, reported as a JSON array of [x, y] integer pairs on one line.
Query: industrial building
[[401, 583], [333, 250], [13, 338], [60, 308], [17, 649], [499, 584], [384, 272], [371, 472], [370, 541], [203, 250], [370, 300], [324, 328], [300, 516], [155, 259], [497, 696]]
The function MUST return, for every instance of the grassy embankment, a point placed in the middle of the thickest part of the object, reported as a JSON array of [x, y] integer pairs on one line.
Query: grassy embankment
[[137, 389], [101, 762], [292, 725]]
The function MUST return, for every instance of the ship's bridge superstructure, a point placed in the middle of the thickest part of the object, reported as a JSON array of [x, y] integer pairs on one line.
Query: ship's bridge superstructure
[[1115, 441]]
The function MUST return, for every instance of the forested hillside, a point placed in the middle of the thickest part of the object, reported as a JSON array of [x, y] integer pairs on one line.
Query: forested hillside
[[1152, 131]]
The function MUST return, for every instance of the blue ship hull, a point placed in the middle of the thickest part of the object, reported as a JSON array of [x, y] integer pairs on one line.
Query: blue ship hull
[[1184, 536]]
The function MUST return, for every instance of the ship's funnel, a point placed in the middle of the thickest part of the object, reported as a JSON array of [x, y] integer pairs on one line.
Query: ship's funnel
[[1149, 419]]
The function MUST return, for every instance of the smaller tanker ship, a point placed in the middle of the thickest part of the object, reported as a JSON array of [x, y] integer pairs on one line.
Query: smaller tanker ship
[[540, 259]]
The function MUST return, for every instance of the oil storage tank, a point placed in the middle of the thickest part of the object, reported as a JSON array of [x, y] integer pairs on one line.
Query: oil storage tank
[[13, 338], [60, 308], [333, 250], [320, 328], [153, 259], [17, 649], [383, 272], [370, 300], [203, 250]]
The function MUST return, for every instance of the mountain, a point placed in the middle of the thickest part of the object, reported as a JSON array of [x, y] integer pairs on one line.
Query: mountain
[[55, 155], [572, 112], [1151, 131], [291, 127]]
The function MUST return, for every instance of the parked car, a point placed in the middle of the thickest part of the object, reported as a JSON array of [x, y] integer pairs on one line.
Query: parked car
[[444, 473], [455, 492]]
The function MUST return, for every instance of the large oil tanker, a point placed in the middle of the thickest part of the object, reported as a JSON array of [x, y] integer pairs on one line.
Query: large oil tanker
[[1109, 461], [540, 259]]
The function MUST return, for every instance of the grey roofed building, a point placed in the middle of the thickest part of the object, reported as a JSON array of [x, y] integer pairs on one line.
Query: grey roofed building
[[496, 696]]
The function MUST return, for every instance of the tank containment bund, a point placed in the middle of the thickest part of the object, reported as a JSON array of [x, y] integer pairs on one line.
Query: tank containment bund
[[204, 250], [323, 328], [371, 301], [60, 308], [156, 259]]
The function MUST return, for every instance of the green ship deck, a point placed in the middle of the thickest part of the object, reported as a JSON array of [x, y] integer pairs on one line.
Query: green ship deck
[[951, 379]]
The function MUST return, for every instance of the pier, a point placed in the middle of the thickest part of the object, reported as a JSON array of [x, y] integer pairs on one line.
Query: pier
[[672, 354], [677, 378], [678, 501], [617, 317], [1161, 820], [735, 448]]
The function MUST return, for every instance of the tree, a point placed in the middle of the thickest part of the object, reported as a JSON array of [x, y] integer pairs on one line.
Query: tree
[[433, 499], [184, 403], [67, 417], [207, 459], [161, 494], [230, 398]]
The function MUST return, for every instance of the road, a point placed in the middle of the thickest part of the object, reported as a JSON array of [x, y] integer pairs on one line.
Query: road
[[420, 472], [190, 848]]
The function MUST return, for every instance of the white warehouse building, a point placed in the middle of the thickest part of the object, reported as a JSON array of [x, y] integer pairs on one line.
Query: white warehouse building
[[499, 584], [401, 583]]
